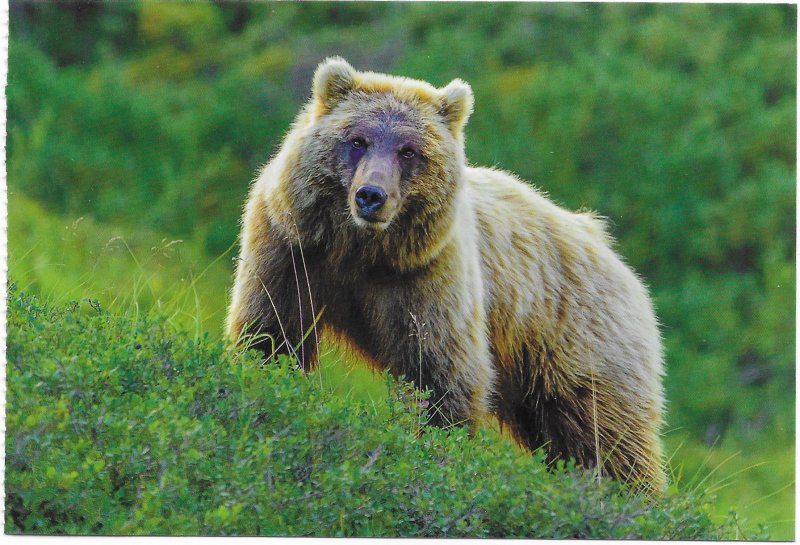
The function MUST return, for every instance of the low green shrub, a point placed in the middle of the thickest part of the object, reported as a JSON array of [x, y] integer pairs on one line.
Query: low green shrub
[[126, 426]]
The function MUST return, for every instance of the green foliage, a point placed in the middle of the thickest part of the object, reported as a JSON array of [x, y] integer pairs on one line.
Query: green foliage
[[120, 426], [676, 122]]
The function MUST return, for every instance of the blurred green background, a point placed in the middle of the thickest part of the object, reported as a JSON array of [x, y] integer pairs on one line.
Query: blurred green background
[[134, 130]]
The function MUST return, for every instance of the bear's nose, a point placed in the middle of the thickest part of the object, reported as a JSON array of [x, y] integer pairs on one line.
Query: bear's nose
[[369, 199]]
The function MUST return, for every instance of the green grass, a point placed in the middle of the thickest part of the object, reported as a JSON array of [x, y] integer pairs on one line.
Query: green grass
[[126, 270], [754, 480], [139, 274]]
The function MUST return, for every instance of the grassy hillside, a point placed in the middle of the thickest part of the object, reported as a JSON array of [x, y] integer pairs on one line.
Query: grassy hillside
[[121, 425]]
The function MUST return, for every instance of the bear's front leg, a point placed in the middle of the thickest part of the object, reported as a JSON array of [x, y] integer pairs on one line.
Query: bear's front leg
[[271, 305], [460, 377], [439, 343]]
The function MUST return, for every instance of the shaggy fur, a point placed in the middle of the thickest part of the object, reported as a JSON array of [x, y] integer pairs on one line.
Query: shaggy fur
[[525, 311]]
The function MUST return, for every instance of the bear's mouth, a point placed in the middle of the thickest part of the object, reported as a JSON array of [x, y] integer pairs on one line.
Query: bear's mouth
[[370, 221]]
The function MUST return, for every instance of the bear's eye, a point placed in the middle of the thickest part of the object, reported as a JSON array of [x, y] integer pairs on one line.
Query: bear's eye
[[407, 153], [358, 143]]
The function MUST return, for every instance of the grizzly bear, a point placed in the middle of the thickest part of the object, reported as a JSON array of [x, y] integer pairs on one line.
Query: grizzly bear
[[370, 224]]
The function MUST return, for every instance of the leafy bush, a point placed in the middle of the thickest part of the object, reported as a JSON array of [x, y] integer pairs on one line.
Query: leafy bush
[[116, 426]]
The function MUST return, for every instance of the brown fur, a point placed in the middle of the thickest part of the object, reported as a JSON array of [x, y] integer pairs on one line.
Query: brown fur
[[526, 311]]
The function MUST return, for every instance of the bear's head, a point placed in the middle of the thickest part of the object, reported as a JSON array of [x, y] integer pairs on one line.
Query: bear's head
[[389, 148]]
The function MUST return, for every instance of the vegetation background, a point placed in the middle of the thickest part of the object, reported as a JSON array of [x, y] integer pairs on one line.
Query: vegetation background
[[134, 130]]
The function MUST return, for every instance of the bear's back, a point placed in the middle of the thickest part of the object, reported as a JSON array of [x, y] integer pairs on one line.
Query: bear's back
[[544, 267], [524, 232]]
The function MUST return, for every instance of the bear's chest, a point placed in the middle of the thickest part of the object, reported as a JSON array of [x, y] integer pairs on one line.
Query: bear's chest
[[366, 305]]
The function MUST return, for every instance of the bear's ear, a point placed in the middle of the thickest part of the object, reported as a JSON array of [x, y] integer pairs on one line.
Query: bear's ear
[[333, 79], [456, 104]]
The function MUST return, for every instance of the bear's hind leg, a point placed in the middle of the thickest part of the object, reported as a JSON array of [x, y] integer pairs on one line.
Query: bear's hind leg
[[579, 422]]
